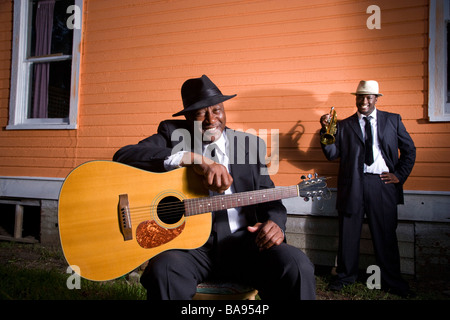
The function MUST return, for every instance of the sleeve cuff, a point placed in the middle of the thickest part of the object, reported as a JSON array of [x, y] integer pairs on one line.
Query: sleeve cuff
[[173, 161]]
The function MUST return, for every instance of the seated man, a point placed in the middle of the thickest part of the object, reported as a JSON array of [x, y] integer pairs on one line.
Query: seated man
[[246, 244]]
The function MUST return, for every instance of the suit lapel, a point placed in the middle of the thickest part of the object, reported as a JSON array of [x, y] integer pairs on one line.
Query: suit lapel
[[381, 125], [354, 124], [238, 152]]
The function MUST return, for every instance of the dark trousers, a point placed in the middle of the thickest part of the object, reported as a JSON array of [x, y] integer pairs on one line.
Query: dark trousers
[[380, 207], [281, 272]]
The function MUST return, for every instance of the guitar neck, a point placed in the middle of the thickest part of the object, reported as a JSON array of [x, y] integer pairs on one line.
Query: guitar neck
[[223, 202]]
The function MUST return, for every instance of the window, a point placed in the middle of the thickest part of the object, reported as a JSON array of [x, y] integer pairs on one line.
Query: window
[[438, 60], [45, 64]]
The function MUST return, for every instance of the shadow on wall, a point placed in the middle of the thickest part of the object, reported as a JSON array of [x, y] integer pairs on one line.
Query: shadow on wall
[[296, 114]]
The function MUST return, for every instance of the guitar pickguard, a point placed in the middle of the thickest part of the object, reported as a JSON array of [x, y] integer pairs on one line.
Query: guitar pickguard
[[149, 234]]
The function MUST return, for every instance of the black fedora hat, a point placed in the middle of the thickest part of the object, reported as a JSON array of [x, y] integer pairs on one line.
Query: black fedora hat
[[200, 93]]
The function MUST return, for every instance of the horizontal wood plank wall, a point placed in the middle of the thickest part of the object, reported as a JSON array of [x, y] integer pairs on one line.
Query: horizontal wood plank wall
[[289, 61]]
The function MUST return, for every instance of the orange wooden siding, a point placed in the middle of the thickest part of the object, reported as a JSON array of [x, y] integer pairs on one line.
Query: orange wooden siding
[[289, 61]]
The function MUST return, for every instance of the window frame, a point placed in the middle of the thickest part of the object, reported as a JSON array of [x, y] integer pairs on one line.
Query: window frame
[[21, 71], [438, 106]]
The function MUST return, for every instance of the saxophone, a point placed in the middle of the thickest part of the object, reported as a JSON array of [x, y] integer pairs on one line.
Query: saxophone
[[328, 137]]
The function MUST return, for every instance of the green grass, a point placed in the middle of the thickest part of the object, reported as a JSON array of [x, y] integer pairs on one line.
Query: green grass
[[425, 289], [355, 291], [34, 272], [38, 284]]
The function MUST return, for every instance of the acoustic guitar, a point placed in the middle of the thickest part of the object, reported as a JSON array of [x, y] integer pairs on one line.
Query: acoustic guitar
[[112, 217]]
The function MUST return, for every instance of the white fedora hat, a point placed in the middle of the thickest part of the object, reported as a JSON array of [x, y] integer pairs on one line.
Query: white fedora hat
[[368, 87]]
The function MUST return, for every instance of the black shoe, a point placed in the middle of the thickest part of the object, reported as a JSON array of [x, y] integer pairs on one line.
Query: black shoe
[[403, 293], [335, 286]]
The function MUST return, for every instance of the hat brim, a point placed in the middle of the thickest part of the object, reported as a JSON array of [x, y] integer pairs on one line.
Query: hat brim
[[375, 94], [211, 101]]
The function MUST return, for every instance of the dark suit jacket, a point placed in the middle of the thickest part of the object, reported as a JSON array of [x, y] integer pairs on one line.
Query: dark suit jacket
[[349, 147], [245, 162]]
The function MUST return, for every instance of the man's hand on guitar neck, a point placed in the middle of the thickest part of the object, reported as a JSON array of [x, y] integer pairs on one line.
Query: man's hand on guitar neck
[[215, 176]]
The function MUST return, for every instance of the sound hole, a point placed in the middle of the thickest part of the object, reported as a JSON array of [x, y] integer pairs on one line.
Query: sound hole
[[170, 210]]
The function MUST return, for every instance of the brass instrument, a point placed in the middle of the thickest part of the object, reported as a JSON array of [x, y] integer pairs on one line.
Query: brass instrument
[[328, 137]]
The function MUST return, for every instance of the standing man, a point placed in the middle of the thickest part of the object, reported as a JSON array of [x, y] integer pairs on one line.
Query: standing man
[[246, 244], [370, 182]]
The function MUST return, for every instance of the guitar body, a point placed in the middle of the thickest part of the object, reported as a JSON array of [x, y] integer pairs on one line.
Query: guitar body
[[90, 217]]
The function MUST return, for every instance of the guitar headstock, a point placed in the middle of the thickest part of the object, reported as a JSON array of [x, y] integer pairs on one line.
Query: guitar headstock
[[313, 187]]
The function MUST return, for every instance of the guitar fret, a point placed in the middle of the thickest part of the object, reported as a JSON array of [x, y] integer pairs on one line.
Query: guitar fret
[[208, 204]]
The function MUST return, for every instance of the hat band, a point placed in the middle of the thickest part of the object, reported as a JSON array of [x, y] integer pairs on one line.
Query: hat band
[[367, 93]]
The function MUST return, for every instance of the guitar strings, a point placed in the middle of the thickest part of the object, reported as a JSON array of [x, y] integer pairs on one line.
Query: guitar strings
[[167, 209]]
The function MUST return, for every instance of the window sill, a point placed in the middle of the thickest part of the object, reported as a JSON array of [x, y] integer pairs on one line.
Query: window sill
[[41, 127]]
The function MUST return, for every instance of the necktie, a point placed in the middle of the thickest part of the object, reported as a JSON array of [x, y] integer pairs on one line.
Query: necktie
[[220, 218], [368, 142], [211, 153]]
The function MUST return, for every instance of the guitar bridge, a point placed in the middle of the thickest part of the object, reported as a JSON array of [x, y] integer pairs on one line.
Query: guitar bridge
[[124, 217]]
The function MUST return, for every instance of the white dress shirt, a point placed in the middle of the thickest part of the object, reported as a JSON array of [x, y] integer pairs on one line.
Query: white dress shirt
[[379, 165]]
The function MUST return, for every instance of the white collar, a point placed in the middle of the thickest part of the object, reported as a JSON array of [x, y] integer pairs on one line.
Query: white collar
[[220, 143], [373, 115]]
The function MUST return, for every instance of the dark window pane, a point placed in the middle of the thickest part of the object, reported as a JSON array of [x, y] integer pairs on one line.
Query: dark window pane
[[62, 36], [58, 93]]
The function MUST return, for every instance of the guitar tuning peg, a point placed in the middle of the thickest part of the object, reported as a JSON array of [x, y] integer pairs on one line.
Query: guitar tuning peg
[[316, 175], [306, 199], [310, 175], [303, 177]]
